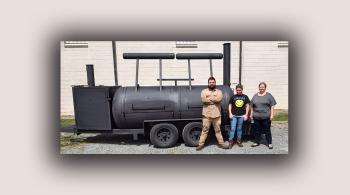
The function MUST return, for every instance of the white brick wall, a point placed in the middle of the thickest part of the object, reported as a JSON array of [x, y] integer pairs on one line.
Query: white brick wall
[[73, 69], [262, 61]]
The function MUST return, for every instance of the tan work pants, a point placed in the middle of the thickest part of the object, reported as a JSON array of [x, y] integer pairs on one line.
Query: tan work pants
[[206, 126]]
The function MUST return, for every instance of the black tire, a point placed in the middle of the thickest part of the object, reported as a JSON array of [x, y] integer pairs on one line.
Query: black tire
[[191, 133], [164, 135]]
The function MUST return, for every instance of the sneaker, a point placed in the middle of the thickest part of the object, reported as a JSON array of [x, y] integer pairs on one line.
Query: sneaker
[[199, 147], [270, 146], [239, 143], [223, 146], [231, 144], [255, 145]]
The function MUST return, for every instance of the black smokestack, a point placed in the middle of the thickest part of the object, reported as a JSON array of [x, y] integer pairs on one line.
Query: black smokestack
[[90, 75], [227, 64]]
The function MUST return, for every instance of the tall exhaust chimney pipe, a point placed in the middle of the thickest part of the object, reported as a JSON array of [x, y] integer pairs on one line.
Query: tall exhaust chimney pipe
[[227, 64], [90, 75]]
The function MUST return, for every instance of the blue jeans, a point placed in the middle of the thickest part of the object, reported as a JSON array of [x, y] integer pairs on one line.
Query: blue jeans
[[236, 122]]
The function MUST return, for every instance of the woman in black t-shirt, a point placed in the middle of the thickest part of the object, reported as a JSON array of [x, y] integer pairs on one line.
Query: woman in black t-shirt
[[238, 109]]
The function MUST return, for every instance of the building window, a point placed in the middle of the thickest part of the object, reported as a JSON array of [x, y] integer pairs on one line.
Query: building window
[[186, 44], [75, 44], [282, 44]]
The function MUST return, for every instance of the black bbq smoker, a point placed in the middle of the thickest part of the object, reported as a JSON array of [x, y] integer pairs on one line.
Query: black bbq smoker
[[162, 113]]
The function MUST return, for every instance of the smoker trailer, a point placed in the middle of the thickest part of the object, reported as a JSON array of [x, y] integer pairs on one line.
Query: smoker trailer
[[162, 113]]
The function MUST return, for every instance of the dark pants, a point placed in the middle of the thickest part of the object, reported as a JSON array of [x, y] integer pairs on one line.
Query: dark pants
[[262, 126]]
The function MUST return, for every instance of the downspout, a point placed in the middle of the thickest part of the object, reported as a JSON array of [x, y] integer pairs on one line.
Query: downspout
[[115, 63], [240, 63]]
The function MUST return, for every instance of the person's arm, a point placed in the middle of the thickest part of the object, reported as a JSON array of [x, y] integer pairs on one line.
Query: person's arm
[[246, 112], [251, 111], [204, 98], [272, 112], [229, 110], [272, 103], [251, 108], [217, 99]]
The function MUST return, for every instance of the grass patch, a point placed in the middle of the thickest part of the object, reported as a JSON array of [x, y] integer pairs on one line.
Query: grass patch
[[67, 122], [281, 117], [67, 139]]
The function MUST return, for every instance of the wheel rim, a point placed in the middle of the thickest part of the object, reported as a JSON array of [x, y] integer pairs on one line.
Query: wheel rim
[[195, 133], [164, 135]]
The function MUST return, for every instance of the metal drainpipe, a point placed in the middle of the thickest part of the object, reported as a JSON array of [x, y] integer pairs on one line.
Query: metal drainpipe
[[240, 62], [115, 63]]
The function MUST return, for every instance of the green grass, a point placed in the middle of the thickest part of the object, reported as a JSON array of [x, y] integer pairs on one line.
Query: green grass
[[67, 122], [281, 117], [67, 139]]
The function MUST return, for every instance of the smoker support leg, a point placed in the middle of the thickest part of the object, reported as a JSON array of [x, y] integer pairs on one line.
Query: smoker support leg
[[134, 137], [76, 136]]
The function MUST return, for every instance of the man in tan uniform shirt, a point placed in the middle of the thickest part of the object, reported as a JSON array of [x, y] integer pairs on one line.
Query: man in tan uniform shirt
[[211, 98]]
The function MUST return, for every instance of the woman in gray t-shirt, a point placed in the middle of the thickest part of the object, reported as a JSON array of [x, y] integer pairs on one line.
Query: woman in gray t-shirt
[[262, 111]]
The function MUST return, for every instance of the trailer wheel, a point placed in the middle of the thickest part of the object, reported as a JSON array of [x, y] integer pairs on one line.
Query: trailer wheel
[[191, 133], [164, 135]]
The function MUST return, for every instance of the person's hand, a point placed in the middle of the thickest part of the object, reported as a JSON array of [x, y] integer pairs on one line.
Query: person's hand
[[271, 117], [245, 117], [231, 116]]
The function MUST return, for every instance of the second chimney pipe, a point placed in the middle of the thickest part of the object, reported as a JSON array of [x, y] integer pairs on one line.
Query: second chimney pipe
[[90, 75], [227, 64]]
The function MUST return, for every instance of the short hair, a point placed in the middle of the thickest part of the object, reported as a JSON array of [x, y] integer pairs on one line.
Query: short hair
[[239, 86], [262, 83], [211, 78]]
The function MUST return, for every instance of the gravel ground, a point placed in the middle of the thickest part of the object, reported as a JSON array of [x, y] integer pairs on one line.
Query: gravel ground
[[124, 144]]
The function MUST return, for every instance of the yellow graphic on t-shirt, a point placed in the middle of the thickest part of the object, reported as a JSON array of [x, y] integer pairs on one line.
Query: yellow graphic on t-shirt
[[239, 103]]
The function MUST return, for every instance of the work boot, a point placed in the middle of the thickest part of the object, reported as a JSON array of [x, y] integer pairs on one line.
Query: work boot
[[223, 146], [239, 143], [200, 147], [231, 144]]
